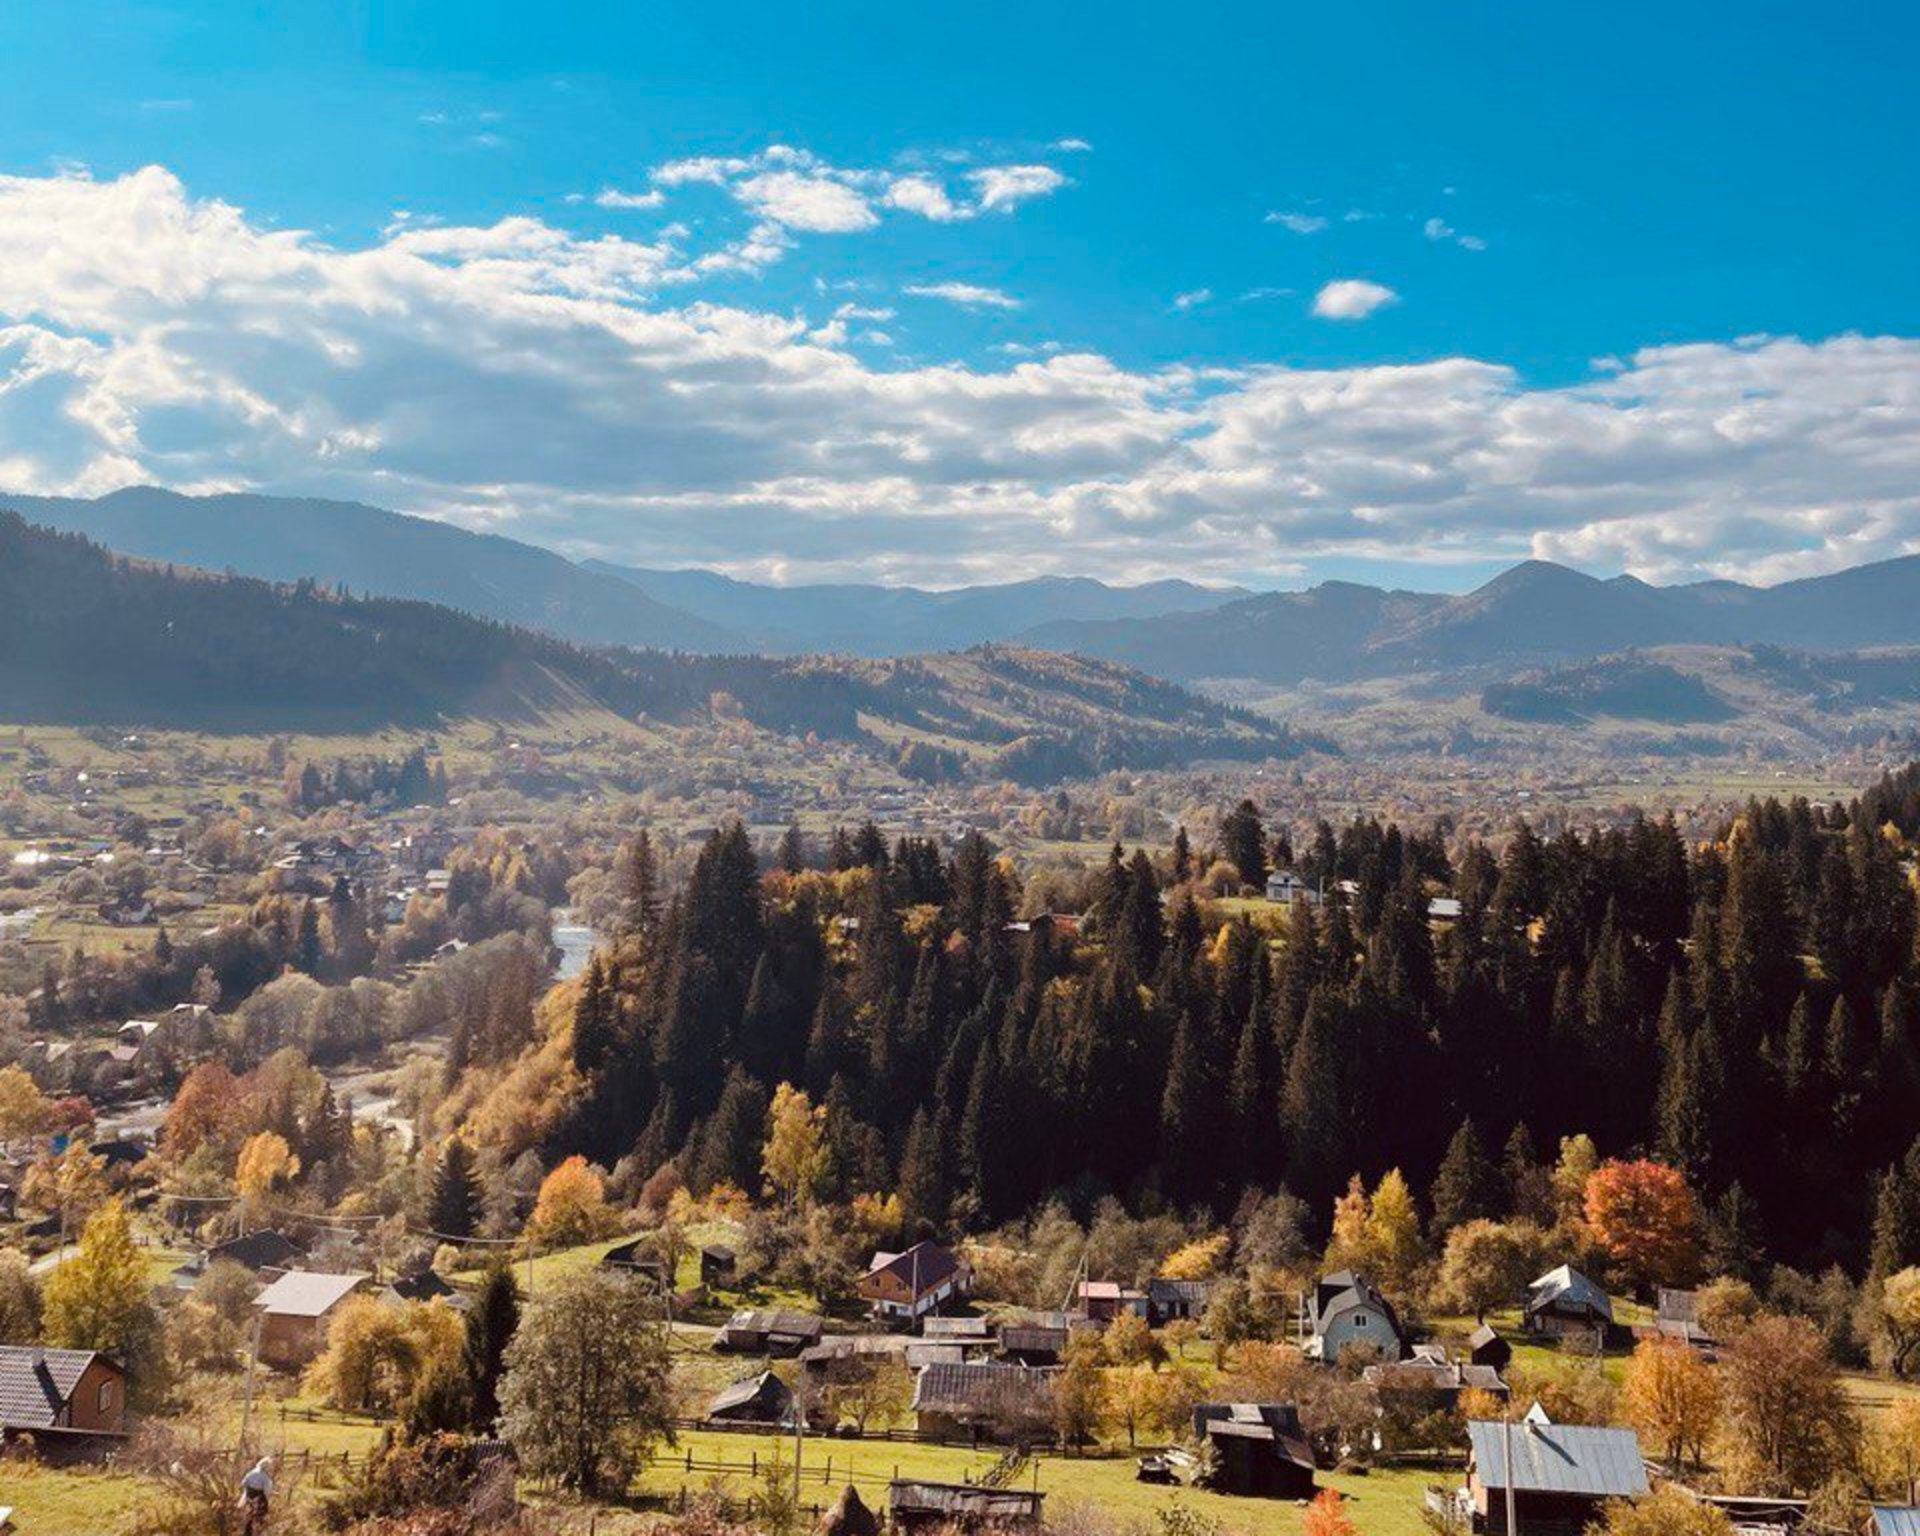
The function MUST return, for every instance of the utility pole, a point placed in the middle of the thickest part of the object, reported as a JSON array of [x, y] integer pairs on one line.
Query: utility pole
[[1506, 1455], [253, 1368]]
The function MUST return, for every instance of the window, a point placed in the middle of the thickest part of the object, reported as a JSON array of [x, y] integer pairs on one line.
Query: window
[[106, 1397], [1359, 1319]]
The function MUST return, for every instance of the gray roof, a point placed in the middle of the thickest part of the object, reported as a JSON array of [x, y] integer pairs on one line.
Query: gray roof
[[36, 1383], [968, 1500], [1568, 1289], [306, 1293], [981, 1391], [1561, 1458], [768, 1390], [957, 1328], [1896, 1520], [793, 1325]]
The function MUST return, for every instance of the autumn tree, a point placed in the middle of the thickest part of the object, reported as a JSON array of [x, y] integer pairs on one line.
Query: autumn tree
[[1670, 1395], [1667, 1512], [1789, 1419], [1080, 1389], [100, 1298], [377, 1353], [587, 1391], [265, 1163], [1487, 1264], [1644, 1216], [795, 1156], [1326, 1516], [572, 1204], [23, 1108]]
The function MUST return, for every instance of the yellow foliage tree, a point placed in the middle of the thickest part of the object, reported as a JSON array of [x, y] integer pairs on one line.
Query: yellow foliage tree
[[377, 1353], [100, 1297], [265, 1163], [1671, 1397], [572, 1204], [1393, 1232], [795, 1155], [23, 1108], [1198, 1260]]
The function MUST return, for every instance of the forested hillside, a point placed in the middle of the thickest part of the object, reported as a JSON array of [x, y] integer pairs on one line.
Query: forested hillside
[[1747, 1010], [91, 638]]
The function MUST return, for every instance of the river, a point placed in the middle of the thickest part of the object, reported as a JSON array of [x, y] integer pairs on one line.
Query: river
[[575, 941]]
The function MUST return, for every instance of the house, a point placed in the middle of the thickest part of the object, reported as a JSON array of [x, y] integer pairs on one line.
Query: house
[[904, 1286], [762, 1399], [1563, 1302], [297, 1310], [1896, 1520], [1257, 1448], [120, 1155], [1429, 1381], [1284, 886], [1032, 1343], [983, 1401], [60, 1391], [1485, 1347], [1169, 1300], [1102, 1301], [769, 1333], [637, 1256], [717, 1264], [964, 1332], [916, 1505], [424, 1285], [1561, 1474], [1677, 1316], [1346, 1311], [266, 1253]]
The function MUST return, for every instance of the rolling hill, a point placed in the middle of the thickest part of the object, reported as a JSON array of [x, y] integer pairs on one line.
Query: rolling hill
[[90, 637]]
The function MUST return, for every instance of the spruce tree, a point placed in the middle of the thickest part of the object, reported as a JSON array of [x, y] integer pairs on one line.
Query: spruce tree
[[492, 1321], [1467, 1186], [593, 1030], [456, 1200], [1243, 843]]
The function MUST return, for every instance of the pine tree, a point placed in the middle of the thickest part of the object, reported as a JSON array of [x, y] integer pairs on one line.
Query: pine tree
[[922, 1183], [492, 1321], [456, 1200], [1182, 856], [792, 856], [1468, 1185], [1243, 843], [593, 1019], [1314, 1105]]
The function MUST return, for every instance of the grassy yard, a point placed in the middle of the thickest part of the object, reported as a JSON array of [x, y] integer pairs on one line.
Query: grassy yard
[[1385, 1503], [60, 1501]]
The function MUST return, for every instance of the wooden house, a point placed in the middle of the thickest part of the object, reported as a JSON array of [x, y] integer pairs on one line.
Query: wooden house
[[1565, 1303], [762, 1399], [751, 1332], [1560, 1474], [1103, 1300], [297, 1310], [1486, 1347], [901, 1287], [916, 1505], [1258, 1449], [1345, 1311], [985, 1401], [63, 1393]]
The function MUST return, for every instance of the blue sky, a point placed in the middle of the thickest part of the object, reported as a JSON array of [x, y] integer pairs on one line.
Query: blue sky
[[1528, 190]]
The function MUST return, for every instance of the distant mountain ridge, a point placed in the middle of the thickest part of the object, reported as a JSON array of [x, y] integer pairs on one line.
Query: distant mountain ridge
[[1536, 613], [392, 554], [868, 620]]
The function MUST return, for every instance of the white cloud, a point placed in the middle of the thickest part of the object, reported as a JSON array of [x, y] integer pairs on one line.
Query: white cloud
[[1351, 298], [613, 197], [1299, 223], [1005, 186], [1440, 229], [1193, 298], [571, 390], [816, 204], [1072, 146], [971, 295], [923, 195]]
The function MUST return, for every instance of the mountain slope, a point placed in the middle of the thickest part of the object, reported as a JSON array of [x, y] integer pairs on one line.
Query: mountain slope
[[869, 620], [89, 637], [343, 543], [1535, 614]]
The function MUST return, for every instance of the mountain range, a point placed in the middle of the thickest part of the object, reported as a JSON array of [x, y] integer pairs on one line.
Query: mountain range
[[91, 637], [389, 554], [1535, 614]]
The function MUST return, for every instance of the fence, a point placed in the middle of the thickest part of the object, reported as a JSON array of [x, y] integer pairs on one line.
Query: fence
[[850, 1432]]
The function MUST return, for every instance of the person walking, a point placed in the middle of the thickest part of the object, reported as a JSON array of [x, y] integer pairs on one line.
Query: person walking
[[256, 1494]]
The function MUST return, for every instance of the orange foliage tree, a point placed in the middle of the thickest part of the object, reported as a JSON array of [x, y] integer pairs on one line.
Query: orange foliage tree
[[1645, 1217], [1326, 1517]]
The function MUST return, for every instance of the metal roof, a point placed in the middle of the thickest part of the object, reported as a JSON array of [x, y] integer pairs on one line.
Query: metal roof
[[1567, 1286], [1561, 1458], [1896, 1520], [306, 1293]]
